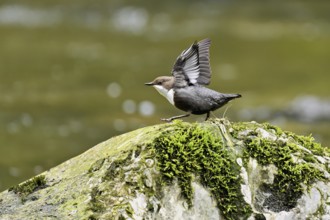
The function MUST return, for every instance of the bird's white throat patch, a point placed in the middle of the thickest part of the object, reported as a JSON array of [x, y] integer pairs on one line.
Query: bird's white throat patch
[[168, 94]]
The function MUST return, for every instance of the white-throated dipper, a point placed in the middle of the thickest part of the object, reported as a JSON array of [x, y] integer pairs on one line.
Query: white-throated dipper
[[185, 89]]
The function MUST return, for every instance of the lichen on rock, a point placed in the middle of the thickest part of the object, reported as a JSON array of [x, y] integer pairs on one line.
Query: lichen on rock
[[211, 170]]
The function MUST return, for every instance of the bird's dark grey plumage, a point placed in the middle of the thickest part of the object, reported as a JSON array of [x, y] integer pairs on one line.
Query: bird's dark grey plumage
[[185, 88]]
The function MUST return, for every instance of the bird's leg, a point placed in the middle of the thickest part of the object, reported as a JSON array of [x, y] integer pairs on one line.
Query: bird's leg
[[174, 117], [207, 116]]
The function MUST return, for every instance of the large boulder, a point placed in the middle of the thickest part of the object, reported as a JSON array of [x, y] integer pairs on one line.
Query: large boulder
[[210, 170]]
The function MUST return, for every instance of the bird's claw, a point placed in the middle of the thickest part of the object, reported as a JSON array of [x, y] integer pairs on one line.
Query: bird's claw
[[166, 119]]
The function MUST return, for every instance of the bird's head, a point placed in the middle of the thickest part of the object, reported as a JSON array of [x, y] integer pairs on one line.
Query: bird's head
[[162, 83]]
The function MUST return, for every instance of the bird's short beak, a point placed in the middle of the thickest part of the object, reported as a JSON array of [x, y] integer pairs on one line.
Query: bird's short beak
[[149, 84]]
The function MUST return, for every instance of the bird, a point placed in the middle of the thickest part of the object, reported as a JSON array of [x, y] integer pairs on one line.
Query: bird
[[185, 89]]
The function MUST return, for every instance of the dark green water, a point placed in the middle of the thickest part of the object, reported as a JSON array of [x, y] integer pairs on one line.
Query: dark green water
[[73, 73]]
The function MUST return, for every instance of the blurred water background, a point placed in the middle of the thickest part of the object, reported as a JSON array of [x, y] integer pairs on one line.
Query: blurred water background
[[73, 72]]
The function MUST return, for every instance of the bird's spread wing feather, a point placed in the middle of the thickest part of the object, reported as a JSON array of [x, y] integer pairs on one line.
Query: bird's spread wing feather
[[193, 64]]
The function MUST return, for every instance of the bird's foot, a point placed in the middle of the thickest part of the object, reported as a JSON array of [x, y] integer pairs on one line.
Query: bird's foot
[[174, 117], [167, 119], [207, 116]]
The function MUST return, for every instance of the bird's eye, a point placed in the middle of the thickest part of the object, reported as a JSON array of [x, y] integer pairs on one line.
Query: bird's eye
[[159, 83]]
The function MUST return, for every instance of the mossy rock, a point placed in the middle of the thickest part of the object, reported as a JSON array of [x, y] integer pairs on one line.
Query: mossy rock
[[210, 170]]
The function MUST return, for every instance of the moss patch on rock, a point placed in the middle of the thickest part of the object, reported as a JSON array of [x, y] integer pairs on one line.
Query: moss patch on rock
[[28, 187], [186, 153], [192, 151], [293, 155]]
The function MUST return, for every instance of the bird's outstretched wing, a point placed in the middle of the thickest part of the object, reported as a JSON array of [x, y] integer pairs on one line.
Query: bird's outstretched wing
[[193, 65]]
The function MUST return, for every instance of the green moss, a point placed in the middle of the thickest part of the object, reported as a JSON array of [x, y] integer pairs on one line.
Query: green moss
[[96, 166], [276, 129], [95, 205], [98, 201], [28, 187], [309, 143], [309, 158], [287, 187], [129, 210], [259, 217], [191, 150], [121, 177], [115, 168], [305, 141], [121, 217]]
